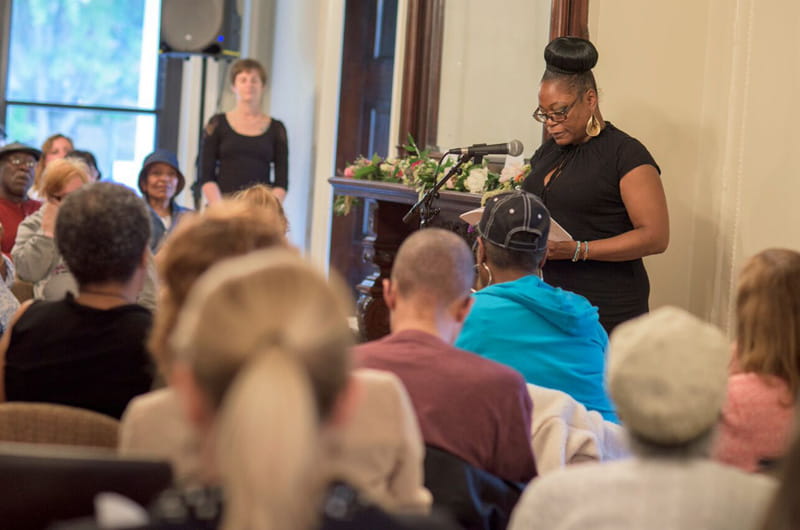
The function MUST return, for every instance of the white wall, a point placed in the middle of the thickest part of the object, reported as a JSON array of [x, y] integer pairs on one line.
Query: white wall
[[285, 36], [326, 111], [492, 60], [293, 98], [708, 86]]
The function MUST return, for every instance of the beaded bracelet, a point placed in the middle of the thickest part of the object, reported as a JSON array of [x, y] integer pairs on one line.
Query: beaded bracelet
[[585, 250], [577, 251]]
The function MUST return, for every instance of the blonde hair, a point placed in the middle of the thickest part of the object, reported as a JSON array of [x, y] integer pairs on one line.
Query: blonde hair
[[223, 230], [768, 316], [42, 164], [60, 172], [266, 338], [261, 195]]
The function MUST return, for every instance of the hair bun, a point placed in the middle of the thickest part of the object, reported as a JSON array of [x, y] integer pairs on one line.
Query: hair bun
[[570, 55]]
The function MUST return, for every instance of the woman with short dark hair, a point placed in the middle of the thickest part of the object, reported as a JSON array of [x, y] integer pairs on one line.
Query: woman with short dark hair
[[240, 147], [88, 350]]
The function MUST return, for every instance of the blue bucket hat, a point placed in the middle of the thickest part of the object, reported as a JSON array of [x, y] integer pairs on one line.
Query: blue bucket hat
[[163, 156]]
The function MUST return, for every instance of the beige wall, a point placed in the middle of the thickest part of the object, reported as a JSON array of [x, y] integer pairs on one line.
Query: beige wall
[[708, 86]]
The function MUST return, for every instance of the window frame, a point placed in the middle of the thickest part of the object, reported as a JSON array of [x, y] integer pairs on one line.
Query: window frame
[[168, 91]]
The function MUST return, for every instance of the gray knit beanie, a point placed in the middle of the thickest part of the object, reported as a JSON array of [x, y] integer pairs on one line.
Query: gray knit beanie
[[667, 375]]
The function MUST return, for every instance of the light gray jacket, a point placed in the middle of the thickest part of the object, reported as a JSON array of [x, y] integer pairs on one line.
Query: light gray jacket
[[38, 261]]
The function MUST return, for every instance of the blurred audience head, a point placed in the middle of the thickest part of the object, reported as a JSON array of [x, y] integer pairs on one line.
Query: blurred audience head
[[17, 163], [102, 232], [667, 375], [262, 348], [54, 147], [88, 158], [768, 316], [225, 229], [62, 177], [434, 265], [261, 195]]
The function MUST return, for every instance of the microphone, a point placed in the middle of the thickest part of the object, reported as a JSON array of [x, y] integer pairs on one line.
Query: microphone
[[513, 148]]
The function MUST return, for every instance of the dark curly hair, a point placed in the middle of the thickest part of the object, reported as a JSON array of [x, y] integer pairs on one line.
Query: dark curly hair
[[102, 231]]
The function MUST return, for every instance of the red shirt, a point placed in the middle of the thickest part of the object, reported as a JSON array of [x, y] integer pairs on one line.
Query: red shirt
[[472, 407], [11, 215]]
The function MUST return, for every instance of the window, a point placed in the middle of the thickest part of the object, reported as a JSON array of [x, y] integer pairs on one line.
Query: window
[[86, 69]]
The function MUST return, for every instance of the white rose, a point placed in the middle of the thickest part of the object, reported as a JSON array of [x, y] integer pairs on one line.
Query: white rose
[[386, 168], [476, 179], [509, 172]]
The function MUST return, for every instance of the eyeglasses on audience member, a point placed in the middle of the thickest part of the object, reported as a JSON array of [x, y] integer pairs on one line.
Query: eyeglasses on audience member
[[21, 162]]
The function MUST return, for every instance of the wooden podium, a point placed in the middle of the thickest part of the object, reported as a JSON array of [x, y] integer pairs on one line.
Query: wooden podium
[[384, 205]]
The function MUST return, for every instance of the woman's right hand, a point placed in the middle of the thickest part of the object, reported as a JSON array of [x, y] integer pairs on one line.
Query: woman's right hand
[[560, 250], [49, 217], [211, 192]]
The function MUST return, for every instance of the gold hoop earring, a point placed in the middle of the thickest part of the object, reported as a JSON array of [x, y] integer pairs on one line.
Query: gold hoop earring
[[593, 126], [490, 281], [478, 282]]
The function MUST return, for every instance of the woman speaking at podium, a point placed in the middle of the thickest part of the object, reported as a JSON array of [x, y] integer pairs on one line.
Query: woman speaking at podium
[[600, 184]]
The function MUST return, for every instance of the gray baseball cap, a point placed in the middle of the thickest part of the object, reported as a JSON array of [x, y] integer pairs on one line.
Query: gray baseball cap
[[516, 220], [17, 147]]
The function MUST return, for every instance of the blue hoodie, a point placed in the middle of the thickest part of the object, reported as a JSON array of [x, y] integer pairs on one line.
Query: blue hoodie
[[553, 337]]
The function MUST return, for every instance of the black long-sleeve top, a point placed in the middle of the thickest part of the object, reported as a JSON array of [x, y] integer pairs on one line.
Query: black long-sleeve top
[[236, 161]]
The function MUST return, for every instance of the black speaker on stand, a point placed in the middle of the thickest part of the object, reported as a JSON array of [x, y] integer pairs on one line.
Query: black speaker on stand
[[201, 27], [210, 29]]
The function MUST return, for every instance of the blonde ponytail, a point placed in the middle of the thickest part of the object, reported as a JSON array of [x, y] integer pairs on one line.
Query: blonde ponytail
[[267, 340], [267, 444]]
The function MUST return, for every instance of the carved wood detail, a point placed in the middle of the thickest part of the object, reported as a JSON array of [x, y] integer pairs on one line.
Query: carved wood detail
[[387, 204]]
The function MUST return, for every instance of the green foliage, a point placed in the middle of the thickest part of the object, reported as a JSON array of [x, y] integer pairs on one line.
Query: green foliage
[[83, 52], [421, 172]]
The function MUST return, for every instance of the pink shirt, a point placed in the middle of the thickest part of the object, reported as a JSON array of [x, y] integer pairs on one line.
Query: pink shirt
[[756, 420]]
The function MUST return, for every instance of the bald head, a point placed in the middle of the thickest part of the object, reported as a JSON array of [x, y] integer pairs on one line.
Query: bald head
[[434, 265]]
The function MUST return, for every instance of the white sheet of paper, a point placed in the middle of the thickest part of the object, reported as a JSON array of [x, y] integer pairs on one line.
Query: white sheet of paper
[[557, 232]]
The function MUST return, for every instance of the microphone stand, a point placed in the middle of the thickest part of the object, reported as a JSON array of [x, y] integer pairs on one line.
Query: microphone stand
[[425, 205]]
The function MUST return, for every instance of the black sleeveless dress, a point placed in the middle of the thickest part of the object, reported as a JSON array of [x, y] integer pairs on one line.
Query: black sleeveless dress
[[585, 199]]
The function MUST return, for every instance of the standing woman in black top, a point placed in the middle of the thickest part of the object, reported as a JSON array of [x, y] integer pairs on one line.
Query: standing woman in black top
[[240, 146], [600, 184]]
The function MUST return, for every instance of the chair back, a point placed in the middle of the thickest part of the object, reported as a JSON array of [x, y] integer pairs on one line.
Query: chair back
[[475, 498], [49, 423], [40, 485]]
